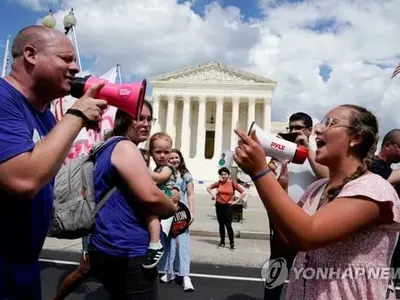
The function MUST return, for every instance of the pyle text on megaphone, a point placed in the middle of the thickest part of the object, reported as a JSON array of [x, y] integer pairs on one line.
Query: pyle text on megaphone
[[279, 148]]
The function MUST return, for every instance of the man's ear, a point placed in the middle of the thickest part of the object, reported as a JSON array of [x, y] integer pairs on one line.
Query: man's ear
[[30, 54]]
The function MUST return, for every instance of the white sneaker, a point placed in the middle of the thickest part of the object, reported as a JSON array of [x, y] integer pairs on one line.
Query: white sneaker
[[167, 278], [187, 284]]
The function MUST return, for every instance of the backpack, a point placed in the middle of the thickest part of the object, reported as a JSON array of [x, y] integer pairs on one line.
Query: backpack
[[74, 208]]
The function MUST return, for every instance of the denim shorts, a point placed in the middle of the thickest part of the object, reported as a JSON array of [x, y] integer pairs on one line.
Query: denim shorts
[[85, 244]]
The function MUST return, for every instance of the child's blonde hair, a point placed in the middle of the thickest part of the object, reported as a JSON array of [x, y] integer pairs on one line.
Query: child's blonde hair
[[158, 136]]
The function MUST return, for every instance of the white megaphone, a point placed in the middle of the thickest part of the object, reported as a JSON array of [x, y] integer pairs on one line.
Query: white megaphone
[[279, 148]]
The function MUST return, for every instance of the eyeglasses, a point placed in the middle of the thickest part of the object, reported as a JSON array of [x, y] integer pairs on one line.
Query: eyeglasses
[[149, 120], [329, 122], [296, 127]]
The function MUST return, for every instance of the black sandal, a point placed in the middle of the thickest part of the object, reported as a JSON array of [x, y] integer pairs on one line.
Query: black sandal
[[232, 246], [222, 245]]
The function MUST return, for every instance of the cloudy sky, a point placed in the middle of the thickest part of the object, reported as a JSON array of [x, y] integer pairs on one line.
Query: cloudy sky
[[321, 53]]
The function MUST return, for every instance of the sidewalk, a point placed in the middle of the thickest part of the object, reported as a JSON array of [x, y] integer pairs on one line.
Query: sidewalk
[[253, 226], [251, 243]]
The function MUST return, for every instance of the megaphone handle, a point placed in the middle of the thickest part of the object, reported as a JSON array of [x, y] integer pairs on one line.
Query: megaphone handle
[[91, 124]]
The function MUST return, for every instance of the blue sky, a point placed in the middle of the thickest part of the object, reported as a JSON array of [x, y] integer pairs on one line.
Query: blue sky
[[13, 17]]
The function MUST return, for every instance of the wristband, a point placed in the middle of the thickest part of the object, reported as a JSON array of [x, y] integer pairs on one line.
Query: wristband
[[77, 113], [80, 114], [261, 174]]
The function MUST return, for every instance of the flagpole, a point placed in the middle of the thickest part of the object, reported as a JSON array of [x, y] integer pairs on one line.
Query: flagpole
[[6, 57], [119, 73], [78, 58]]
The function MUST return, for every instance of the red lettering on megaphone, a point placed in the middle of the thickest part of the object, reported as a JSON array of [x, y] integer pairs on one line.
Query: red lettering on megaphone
[[277, 146]]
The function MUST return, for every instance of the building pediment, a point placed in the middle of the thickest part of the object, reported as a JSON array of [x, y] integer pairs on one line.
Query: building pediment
[[212, 72]]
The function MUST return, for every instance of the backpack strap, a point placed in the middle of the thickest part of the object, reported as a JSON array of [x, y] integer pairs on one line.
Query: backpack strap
[[100, 145], [103, 200], [93, 154]]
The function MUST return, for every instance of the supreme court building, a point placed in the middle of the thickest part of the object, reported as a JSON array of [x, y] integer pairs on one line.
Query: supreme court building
[[200, 106]]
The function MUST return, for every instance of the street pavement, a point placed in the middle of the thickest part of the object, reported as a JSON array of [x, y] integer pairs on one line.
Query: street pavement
[[211, 281], [216, 273]]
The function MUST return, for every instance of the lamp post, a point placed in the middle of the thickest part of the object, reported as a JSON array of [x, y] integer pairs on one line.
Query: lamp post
[[70, 24], [49, 21], [6, 58], [69, 21]]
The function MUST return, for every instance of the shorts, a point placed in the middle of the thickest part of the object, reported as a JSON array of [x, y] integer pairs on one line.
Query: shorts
[[85, 244], [20, 281]]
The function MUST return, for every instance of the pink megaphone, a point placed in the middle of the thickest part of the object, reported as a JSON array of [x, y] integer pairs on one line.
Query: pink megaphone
[[128, 97], [278, 148]]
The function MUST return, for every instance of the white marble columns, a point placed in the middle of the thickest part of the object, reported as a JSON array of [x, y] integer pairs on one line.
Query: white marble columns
[[171, 118], [180, 121], [185, 132], [219, 126], [234, 121], [251, 113], [156, 113], [201, 128], [267, 115]]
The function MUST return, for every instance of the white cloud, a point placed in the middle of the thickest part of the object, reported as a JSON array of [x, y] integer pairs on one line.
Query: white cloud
[[151, 36], [148, 37], [364, 36]]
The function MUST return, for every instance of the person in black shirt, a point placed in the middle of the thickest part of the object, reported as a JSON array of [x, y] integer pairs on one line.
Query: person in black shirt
[[388, 155], [381, 165]]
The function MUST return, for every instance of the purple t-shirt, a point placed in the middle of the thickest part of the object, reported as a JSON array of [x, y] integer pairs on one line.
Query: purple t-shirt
[[23, 222], [120, 228]]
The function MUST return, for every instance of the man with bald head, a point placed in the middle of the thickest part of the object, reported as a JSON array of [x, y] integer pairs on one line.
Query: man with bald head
[[33, 148]]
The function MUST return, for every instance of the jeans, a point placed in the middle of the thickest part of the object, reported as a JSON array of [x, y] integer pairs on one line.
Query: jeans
[[176, 259]]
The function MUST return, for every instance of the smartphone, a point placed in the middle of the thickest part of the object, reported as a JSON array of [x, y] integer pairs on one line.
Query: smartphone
[[289, 136]]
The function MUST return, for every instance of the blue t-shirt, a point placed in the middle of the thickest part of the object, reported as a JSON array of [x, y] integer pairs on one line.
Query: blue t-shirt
[[23, 222], [121, 228]]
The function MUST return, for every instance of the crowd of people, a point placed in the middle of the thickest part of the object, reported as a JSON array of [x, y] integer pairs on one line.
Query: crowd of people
[[339, 208]]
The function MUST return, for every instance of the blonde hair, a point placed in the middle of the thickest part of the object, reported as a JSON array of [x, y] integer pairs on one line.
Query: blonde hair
[[159, 136]]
